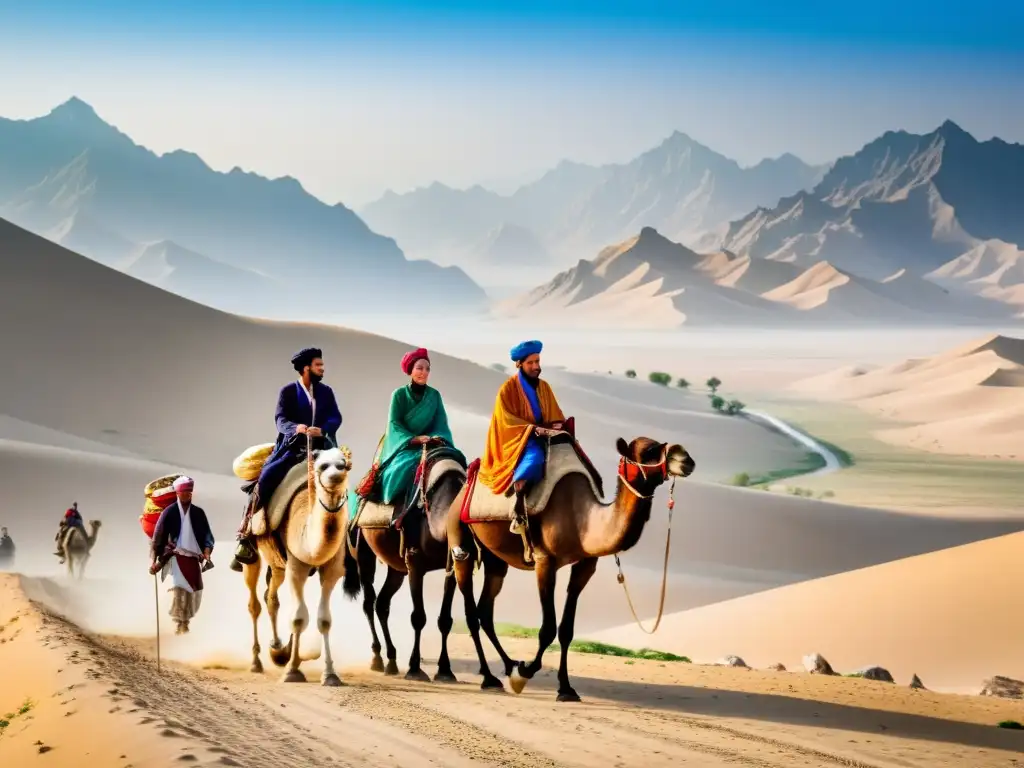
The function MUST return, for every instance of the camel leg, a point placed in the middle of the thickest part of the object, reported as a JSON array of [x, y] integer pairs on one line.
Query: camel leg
[[419, 621], [251, 574], [391, 585], [579, 576], [547, 572], [275, 578], [330, 573], [297, 574], [464, 577], [495, 570], [367, 562], [444, 623]]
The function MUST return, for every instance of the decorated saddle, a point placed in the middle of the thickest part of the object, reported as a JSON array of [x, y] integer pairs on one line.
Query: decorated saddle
[[563, 457], [439, 462]]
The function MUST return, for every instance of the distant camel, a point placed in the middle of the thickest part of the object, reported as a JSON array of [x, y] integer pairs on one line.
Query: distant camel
[[313, 537], [427, 551], [78, 546], [574, 528]]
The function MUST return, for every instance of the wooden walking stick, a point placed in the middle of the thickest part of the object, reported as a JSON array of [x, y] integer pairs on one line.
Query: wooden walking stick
[[156, 595]]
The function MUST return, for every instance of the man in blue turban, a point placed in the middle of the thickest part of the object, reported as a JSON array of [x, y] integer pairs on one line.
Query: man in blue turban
[[305, 406]]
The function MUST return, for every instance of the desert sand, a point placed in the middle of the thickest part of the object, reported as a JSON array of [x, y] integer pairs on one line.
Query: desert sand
[[968, 400], [77, 696], [948, 616]]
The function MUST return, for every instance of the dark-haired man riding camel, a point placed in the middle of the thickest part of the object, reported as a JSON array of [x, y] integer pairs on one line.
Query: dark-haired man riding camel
[[306, 406]]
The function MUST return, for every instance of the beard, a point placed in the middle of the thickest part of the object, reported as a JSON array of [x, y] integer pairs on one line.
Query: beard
[[315, 378]]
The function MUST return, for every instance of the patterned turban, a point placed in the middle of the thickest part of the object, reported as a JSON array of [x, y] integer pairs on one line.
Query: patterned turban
[[524, 349], [184, 484], [409, 359], [306, 357]]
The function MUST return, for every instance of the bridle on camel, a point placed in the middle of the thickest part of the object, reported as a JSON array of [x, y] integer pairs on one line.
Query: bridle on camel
[[661, 467]]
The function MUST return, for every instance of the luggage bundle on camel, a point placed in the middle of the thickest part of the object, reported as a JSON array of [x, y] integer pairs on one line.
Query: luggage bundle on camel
[[159, 495], [249, 463]]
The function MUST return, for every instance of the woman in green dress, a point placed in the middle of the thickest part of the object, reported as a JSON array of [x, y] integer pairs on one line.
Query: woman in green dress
[[416, 416]]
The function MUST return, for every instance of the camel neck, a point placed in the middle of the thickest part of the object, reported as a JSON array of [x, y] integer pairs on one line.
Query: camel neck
[[615, 527]]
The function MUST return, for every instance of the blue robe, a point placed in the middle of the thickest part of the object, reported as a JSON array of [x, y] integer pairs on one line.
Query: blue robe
[[293, 408], [531, 464]]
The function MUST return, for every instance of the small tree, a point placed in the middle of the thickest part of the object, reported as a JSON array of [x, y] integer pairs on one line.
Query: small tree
[[657, 377], [717, 402], [630, 374], [713, 384], [742, 479], [733, 407], [682, 383]]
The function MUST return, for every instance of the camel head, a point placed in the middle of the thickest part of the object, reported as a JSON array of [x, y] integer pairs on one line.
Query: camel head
[[646, 463], [95, 524], [331, 468]]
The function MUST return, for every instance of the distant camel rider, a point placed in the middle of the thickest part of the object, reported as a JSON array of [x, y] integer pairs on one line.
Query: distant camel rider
[[524, 412], [72, 519], [306, 406], [6, 548]]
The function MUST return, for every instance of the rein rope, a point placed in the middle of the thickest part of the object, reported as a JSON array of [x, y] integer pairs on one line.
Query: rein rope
[[621, 577], [310, 474]]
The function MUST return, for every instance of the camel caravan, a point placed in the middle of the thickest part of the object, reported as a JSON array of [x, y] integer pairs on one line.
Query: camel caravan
[[532, 501]]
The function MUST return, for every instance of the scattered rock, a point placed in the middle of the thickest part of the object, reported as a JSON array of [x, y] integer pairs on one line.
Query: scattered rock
[[44, 749], [777, 667], [1003, 687], [877, 673], [916, 684], [816, 664], [734, 661]]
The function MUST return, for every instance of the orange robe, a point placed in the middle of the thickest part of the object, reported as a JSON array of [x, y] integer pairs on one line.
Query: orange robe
[[511, 426]]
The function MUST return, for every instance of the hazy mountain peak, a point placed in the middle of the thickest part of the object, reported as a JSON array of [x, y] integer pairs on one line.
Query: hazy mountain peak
[[75, 109], [950, 130]]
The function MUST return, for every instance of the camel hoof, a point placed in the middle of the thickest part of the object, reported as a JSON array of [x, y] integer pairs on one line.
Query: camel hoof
[[377, 665], [491, 683], [418, 674], [568, 696], [391, 668], [331, 681], [445, 677], [257, 667], [294, 676], [517, 681]]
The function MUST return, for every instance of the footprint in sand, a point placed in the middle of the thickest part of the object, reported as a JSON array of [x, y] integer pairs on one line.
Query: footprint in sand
[[225, 760], [168, 733], [187, 758]]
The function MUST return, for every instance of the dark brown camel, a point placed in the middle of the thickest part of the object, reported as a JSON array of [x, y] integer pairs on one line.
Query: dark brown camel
[[576, 529], [427, 544]]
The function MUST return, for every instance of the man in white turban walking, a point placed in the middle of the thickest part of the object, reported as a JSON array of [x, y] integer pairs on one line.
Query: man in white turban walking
[[181, 548]]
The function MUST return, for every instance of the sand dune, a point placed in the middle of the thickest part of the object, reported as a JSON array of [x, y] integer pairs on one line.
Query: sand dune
[[945, 616], [992, 269], [969, 400]]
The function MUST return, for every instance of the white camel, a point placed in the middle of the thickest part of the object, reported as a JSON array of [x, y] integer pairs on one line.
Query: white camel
[[313, 538], [78, 546]]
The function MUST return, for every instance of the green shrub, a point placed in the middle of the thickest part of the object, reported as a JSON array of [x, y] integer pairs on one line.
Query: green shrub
[[658, 377], [630, 374], [713, 384], [682, 383]]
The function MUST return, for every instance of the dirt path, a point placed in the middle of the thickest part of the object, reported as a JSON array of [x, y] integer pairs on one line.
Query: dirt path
[[109, 706]]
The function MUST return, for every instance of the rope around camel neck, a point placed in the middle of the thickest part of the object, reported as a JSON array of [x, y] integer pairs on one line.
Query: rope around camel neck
[[621, 577]]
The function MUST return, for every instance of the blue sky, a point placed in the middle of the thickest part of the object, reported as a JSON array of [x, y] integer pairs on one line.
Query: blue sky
[[354, 98]]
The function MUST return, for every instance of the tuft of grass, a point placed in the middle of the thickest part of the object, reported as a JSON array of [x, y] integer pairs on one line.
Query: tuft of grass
[[1011, 725], [25, 708], [519, 632]]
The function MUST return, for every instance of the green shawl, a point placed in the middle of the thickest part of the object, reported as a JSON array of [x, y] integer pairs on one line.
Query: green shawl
[[409, 418]]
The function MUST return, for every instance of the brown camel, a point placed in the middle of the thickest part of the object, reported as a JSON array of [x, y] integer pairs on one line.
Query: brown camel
[[427, 550], [78, 546], [313, 537], [575, 528]]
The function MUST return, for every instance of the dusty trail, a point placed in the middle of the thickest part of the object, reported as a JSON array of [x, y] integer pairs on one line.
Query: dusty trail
[[109, 706]]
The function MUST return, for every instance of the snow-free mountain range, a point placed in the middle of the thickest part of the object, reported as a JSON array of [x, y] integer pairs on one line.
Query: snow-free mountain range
[[911, 229]]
